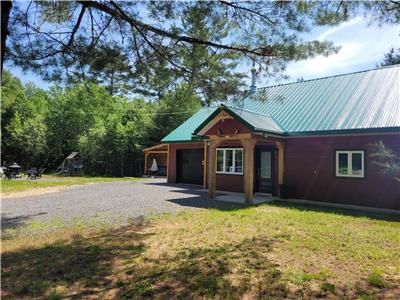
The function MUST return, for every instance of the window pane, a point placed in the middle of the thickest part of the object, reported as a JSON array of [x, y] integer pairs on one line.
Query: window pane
[[265, 164], [238, 161], [229, 161], [343, 164], [356, 160], [220, 160]]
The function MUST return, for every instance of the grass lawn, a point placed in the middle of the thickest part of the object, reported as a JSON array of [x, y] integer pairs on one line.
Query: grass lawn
[[9, 186], [264, 252]]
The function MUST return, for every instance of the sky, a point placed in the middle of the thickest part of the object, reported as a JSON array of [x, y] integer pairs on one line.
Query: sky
[[362, 47]]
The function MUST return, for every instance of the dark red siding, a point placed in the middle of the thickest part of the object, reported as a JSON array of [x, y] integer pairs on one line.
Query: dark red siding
[[310, 171], [172, 157], [231, 183]]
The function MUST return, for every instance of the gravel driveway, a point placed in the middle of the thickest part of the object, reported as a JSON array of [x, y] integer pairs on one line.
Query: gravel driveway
[[117, 201]]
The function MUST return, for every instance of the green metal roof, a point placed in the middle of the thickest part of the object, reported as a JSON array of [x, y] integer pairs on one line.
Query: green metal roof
[[254, 121], [361, 101], [184, 132]]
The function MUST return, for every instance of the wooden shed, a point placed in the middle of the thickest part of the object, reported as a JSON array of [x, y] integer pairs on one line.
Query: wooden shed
[[160, 154]]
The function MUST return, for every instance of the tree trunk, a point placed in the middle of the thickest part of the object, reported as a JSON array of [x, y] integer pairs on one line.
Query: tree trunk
[[5, 13], [122, 167]]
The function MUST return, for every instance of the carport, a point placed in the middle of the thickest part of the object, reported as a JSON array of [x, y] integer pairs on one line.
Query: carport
[[160, 154]]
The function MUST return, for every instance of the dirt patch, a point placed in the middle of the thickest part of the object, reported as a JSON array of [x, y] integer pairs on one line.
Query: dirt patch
[[38, 191]]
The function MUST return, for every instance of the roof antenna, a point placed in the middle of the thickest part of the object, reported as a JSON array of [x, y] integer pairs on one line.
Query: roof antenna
[[253, 86]]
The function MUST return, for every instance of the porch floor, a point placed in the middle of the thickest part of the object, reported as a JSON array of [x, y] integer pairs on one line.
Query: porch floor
[[239, 197]]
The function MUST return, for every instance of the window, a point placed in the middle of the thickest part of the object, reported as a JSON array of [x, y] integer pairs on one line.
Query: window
[[350, 164], [230, 160]]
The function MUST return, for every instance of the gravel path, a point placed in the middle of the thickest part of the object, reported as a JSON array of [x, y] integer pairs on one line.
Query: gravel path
[[116, 201]]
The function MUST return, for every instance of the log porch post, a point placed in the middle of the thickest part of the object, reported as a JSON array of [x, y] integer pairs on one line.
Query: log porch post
[[281, 161], [145, 162], [248, 148], [212, 167]]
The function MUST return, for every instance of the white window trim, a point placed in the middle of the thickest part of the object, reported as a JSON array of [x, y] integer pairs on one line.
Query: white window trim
[[349, 163], [233, 160]]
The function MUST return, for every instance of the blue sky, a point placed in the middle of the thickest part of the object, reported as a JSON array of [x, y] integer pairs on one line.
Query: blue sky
[[362, 47]]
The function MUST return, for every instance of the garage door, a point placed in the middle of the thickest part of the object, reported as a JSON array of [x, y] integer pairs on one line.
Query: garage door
[[189, 166]]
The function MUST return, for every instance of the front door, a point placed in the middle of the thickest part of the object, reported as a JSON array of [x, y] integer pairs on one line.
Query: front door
[[264, 171]]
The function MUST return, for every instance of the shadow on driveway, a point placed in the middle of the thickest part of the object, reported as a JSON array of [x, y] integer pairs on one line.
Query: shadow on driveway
[[14, 222]]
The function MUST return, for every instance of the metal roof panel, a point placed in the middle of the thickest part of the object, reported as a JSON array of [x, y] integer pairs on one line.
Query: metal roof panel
[[362, 100]]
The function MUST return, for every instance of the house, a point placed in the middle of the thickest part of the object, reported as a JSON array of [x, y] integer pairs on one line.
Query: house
[[315, 136]]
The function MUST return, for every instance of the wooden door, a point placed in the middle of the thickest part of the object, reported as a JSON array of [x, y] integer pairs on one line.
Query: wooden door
[[264, 168]]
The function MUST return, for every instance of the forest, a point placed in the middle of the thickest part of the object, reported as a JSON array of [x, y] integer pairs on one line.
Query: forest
[[40, 128]]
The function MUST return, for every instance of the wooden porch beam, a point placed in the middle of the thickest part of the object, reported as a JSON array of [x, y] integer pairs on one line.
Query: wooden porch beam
[[248, 149], [212, 168], [145, 162], [205, 166]]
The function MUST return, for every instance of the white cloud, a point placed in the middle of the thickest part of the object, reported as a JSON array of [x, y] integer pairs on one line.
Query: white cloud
[[362, 47], [322, 65], [338, 28]]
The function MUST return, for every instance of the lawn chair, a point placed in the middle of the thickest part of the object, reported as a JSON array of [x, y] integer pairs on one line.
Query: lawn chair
[[7, 173], [40, 173], [32, 173]]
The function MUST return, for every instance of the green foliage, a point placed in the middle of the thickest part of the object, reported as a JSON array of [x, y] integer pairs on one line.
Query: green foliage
[[376, 279], [391, 58], [182, 103], [41, 128], [328, 287], [23, 129]]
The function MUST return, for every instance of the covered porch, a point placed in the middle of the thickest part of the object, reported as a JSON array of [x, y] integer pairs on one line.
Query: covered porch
[[263, 165], [255, 145], [160, 154]]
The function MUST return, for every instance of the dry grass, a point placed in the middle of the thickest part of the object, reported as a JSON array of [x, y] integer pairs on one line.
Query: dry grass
[[258, 252], [47, 181]]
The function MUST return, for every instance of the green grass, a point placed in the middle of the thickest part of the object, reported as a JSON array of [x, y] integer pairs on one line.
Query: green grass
[[10, 186], [266, 252], [375, 278]]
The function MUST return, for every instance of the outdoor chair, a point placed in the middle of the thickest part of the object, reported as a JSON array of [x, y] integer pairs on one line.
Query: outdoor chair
[[7, 174], [40, 173], [32, 173]]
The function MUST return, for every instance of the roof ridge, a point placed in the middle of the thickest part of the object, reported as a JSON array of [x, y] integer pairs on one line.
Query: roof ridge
[[260, 114], [250, 111], [326, 77]]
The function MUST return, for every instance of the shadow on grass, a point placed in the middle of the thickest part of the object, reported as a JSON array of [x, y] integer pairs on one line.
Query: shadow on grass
[[112, 264], [83, 263], [226, 272], [337, 211]]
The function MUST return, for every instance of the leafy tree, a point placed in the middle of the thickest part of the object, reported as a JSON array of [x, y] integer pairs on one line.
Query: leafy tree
[[72, 112], [173, 109], [114, 145], [23, 128], [43, 127], [50, 37], [391, 58], [108, 66]]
